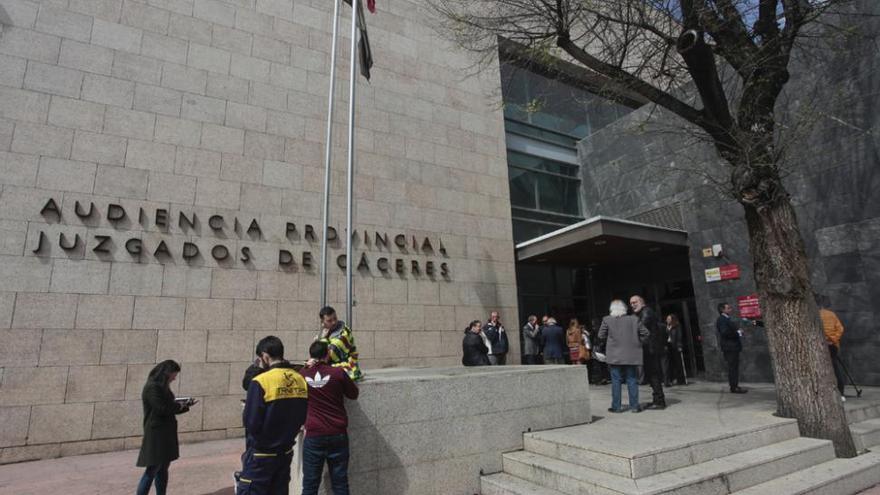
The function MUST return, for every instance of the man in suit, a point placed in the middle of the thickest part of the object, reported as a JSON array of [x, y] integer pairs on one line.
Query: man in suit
[[555, 347], [729, 340], [531, 334]]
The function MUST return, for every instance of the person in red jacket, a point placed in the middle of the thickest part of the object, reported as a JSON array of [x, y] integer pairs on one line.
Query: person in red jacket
[[326, 428]]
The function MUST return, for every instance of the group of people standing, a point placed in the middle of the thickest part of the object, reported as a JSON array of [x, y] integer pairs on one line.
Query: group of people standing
[[283, 399], [485, 344]]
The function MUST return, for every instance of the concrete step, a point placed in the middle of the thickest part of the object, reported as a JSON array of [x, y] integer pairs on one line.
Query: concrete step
[[715, 477], [866, 434], [857, 411], [835, 477], [505, 484], [578, 446]]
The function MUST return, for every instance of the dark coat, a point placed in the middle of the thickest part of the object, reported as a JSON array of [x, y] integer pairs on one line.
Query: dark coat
[[728, 335], [497, 336], [473, 350], [656, 343], [160, 426], [675, 338], [553, 337], [623, 337]]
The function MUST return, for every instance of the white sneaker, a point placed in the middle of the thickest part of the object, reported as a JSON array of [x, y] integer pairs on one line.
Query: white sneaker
[[842, 399]]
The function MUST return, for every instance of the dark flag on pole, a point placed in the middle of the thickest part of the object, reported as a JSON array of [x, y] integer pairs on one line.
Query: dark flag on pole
[[364, 52]]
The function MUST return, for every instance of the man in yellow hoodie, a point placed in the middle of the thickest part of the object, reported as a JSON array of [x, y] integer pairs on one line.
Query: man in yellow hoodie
[[833, 332]]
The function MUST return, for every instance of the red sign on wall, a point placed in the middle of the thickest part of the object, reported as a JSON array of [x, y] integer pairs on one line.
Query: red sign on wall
[[729, 272], [749, 307]]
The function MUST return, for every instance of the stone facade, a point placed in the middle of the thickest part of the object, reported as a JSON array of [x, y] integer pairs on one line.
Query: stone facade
[[172, 109], [832, 178]]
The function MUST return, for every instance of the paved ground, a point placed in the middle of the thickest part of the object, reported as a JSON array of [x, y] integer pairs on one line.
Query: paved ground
[[205, 468]]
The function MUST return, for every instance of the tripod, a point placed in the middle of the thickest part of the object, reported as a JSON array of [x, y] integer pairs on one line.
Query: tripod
[[846, 372]]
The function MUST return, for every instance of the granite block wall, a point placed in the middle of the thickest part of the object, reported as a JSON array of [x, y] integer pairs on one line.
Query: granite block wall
[[161, 174]]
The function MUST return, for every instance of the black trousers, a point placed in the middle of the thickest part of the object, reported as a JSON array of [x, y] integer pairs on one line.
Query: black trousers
[[732, 358], [654, 372]]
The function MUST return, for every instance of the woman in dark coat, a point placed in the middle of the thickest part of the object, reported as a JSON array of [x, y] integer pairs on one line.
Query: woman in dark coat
[[475, 346], [159, 446]]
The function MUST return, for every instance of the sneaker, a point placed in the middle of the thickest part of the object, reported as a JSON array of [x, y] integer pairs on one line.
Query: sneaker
[[739, 390], [636, 410], [842, 399], [612, 410]]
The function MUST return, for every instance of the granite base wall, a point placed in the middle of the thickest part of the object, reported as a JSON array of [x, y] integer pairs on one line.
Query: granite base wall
[[435, 431]]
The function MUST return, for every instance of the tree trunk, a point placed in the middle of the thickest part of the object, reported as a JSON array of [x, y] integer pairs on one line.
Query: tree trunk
[[805, 386]]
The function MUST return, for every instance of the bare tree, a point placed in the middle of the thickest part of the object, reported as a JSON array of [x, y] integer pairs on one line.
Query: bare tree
[[658, 49]]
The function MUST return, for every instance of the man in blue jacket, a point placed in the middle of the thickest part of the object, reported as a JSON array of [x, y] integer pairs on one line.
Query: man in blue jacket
[[729, 334], [274, 413], [497, 336], [555, 347]]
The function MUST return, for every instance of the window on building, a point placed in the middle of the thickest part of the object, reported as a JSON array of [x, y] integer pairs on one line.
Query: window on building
[[553, 105], [544, 119]]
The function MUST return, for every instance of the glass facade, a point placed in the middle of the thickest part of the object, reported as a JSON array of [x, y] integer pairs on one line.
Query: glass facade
[[552, 105], [544, 119]]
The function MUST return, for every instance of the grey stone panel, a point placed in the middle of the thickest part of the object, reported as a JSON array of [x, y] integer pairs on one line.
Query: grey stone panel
[[399, 410]]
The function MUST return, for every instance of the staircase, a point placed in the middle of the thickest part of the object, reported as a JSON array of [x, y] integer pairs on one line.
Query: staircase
[[864, 423], [766, 458]]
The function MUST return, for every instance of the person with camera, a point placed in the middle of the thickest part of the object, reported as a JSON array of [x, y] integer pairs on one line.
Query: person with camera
[[340, 340], [160, 446]]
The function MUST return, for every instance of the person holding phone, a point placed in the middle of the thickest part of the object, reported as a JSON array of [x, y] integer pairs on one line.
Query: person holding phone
[[160, 446]]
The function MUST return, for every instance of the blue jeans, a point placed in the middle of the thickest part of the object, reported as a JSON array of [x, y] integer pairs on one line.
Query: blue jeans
[[334, 450], [631, 375], [157, 474]]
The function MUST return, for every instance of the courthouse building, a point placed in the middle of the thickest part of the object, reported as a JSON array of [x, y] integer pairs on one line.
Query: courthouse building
[[161, 177]]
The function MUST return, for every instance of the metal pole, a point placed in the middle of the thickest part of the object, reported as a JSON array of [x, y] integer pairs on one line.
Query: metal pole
[[352, 80], [328, 153]]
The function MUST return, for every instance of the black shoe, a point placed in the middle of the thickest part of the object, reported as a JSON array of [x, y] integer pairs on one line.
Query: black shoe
[[667, 384], [635, 410], [738, 390], [612, 410], [658, 405]]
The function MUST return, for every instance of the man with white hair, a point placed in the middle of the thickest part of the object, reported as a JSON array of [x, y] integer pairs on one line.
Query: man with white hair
[[555, 347]]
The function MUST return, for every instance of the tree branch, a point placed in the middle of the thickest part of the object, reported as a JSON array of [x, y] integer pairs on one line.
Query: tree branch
[[632, 83]]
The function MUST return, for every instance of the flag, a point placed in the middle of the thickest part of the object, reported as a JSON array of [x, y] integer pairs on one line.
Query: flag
[[365, 54]]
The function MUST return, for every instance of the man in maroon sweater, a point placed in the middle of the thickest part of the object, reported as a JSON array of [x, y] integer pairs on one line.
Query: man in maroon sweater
[[326, 437]]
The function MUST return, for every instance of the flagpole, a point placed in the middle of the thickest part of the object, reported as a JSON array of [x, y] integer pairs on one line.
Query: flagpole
[[328, 154], [352, 80]]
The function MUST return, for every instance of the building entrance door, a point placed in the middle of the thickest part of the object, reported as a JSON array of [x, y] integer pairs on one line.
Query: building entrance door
[[692, 339]]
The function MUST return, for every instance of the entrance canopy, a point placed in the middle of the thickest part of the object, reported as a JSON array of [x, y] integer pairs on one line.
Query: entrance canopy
[[602, 240]]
